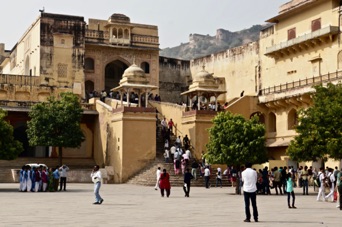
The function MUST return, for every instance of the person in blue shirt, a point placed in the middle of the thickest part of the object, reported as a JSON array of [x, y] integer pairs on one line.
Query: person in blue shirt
[[56, 176], [289, 190]]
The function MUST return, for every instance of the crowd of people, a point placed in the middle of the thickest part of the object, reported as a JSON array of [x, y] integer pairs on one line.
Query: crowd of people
[[39, 178]]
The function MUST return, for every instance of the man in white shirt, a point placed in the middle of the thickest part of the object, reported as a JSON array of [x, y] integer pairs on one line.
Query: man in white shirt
[[96, 178], [249, 179], [321, 191], [63, 176], [207, 177], [332, 185], [158, 176]]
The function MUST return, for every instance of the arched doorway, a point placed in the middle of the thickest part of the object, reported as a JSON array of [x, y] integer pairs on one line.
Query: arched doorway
[[113, 74], [20, 134]]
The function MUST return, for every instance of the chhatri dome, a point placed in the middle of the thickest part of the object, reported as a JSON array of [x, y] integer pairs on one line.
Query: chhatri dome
[[134, 75], [119, 18], [134, 80], [204, 84]]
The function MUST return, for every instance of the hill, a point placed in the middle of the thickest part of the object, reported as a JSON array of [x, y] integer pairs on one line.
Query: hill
[[202, 45]]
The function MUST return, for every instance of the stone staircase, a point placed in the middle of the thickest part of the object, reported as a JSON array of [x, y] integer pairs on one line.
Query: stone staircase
[[80, 168], [147, 176]]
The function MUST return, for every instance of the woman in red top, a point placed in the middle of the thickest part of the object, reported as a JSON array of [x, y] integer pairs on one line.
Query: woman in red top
[[164, 183]]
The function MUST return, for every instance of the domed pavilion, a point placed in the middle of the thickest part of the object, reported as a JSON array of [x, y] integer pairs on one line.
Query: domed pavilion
[[204, 85], [134, 80]]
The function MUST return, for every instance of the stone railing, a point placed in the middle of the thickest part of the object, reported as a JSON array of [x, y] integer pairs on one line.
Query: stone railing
[[29, 104], [19, 80], [308, 82], [146, 39]]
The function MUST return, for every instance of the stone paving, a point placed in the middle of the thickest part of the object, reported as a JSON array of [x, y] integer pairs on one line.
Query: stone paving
[[130, 205]]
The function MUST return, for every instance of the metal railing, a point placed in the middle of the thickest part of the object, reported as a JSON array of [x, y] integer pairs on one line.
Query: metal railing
[[302, 83]]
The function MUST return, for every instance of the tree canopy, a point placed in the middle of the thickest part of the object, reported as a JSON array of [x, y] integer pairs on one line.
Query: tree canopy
[[319, 127], [56, 123], [233, 140], [9, 147]]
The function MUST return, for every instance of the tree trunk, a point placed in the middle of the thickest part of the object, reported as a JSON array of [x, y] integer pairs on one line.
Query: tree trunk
[[237, 188], [60, 156]]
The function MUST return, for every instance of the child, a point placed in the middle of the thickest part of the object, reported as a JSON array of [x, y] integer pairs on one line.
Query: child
[[289, 190]]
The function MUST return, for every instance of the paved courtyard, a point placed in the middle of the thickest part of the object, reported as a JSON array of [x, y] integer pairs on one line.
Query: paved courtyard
[[130, 205]]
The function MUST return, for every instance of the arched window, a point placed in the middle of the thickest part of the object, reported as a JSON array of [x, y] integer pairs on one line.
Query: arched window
[[89, 86], [316, 25], [27, 65], [89, 64], [291, 34], [272, 122], [126, 34], [339, 60], [292, 119], [115, 33], [261, 117], [120, 33], [145, 66]]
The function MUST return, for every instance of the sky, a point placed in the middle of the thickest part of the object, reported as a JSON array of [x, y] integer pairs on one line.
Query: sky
[[176, 19]]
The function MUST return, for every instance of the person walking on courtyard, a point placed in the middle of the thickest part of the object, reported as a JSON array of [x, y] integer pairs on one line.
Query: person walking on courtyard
[[158, 176], [187, 180], [289, 190], [305, 181], [277, 180], [55, 175], [320, 181], [207, 176], [164, 183], [63, 176], [219, 177], [339, 189], [249, 179], [194, 167], [96, 178], [329, 180]]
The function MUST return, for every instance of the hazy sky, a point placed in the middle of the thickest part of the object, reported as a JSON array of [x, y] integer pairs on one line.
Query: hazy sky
[[176, 19]]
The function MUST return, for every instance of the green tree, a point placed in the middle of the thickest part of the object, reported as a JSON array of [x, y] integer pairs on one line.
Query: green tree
[[9, 147], [56, 123], [233, 140], [319, 127]]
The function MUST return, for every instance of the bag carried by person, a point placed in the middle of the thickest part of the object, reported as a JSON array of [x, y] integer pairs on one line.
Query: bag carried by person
[[327, 181], [318, 181]]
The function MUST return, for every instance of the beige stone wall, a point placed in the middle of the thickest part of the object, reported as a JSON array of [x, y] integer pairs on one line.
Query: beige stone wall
[[196, 126], [103, 56], [302, 64], [125, 139], [27, 53]]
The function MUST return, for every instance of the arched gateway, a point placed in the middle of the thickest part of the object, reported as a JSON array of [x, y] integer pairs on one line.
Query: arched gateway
[[113, 74]]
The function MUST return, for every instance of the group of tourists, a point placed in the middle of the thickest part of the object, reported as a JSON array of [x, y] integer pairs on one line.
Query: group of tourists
[[39, 178]]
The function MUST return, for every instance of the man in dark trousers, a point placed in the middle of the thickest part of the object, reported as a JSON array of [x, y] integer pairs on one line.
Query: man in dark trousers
[[249, 179], [187, 179]]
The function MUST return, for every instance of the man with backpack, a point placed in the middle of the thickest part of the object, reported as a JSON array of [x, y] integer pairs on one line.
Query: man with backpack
[[329, 182], [320, 184]]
